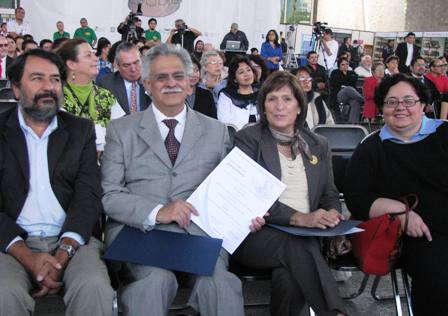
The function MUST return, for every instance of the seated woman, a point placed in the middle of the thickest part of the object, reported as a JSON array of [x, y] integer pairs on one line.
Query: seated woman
[[318, 112], [301, 159], [102, 51], [200, 99], [82, 97], [408, 155], [392, 65], [437, 76], [212, 73], [343, 89], [237, 103], [370, 84], [261, 71]]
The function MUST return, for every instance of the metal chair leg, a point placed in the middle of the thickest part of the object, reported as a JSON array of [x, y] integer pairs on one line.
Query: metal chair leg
[[361, 288], [407, 292], [397, 299]]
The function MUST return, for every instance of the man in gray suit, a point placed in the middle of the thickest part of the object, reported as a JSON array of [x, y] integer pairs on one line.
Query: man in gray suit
[[152, 162], [125, 83]]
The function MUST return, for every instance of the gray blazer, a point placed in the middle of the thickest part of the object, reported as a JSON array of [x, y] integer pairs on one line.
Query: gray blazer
[[137, 174], [258, 143]]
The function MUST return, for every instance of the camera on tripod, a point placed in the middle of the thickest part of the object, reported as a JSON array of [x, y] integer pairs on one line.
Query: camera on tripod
[[319, 28], [131, 19]]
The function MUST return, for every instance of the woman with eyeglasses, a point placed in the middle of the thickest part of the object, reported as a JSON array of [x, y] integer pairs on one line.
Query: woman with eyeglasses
[[259, 66], [408, 155], [200, 99], [436, 74], [81, 96], [237, 103], [271, 51], [318, 112], [212, 73], [343, 89]]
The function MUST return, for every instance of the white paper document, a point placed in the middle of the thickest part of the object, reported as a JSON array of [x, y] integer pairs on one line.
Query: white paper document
[[237, 191]]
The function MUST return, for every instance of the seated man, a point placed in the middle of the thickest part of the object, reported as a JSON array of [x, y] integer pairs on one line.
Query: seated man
[[364, 70], [152, 162], [318, 73], [50, 197]]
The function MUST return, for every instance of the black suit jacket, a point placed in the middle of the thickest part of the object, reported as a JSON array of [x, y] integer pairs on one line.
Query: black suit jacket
[[204, 103], [114, 82], [73, 172], [402, 53]]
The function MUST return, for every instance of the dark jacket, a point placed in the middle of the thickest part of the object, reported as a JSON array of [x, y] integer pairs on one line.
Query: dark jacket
[[402, 53], [73, 172], [259, 144], [114, 82], [204, 103]]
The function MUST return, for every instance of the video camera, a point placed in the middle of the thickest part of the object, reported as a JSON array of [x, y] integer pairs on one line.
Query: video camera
[[130, 23], [319, 28]]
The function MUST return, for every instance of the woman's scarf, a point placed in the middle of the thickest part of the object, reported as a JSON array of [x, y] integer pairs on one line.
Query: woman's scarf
[[297, 143], [241, 100]]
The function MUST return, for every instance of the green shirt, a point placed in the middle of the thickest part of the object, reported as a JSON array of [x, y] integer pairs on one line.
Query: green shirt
[[153, 35], [58, 35], [86, 33]]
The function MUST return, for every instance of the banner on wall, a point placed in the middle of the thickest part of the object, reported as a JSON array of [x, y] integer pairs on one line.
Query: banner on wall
[[296, 11], [155, 8]]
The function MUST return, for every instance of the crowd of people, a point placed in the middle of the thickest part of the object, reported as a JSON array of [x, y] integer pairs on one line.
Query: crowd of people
[[153, 115]]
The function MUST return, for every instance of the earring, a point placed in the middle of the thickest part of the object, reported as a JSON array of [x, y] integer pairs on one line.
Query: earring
[[73, 76]]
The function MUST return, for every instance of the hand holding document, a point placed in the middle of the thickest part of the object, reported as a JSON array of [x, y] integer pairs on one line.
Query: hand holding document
[[237, 191]]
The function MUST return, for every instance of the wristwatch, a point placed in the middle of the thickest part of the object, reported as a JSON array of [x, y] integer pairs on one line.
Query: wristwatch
[[70, 250]]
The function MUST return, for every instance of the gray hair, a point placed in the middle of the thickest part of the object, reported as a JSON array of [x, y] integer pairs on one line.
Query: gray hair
[[123, 47], [165, 50], [204, 61]]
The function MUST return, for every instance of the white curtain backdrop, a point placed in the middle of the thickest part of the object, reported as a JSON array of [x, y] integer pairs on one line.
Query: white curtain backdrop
[[211, 17]]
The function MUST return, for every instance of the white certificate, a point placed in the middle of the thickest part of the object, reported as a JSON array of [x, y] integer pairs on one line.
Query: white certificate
[[237, 191]]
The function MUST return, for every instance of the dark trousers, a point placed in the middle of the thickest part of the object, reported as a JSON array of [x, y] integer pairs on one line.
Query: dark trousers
[[427, 264], [300, 274]]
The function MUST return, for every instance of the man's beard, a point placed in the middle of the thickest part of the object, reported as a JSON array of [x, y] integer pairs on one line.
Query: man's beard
[[45, 112]]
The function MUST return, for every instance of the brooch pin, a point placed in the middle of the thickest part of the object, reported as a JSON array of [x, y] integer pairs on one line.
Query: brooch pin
[[314, 160]]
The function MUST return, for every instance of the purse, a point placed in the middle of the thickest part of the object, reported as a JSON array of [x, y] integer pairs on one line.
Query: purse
[[377, 248]]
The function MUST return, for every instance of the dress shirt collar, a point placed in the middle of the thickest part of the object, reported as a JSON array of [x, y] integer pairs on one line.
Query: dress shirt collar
[[181, 117], [28, 130], [429, 126]]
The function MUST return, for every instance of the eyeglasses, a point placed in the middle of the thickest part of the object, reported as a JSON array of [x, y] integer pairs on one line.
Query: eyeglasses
[[4, 45], [441, 65], [163, 77], [393, 103], [215, 62], [305, 79]]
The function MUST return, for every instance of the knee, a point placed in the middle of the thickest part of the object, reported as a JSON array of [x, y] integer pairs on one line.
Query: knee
[[13, 295], [220, 278], [92, 283]]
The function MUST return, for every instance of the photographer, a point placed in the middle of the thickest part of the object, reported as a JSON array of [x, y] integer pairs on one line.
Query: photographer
[[183, 35], [131, 28], [328, 50]]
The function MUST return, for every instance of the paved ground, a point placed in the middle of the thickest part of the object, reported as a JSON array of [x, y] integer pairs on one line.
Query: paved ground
[[258, 291]]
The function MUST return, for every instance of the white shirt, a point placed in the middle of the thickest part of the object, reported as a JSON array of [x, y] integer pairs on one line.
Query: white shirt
[[363, 72], [410, 54], [20, 29], [230, 113], [42, 214], [178, 133], [333, 46]]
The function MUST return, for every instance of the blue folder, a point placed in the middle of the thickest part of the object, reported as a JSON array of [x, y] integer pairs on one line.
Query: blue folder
[[340, 229], [168, 250]]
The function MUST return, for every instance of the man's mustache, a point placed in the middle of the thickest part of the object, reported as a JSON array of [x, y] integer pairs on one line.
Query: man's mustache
[[48, 94]]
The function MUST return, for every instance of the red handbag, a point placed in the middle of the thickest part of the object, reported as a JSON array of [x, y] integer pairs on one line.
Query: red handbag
[[378, 246]]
